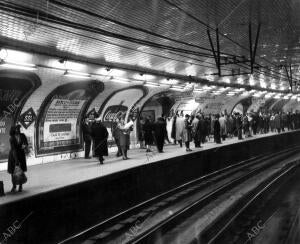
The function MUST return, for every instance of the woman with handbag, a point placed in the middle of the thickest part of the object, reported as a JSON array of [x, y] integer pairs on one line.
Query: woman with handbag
[[17, 157]]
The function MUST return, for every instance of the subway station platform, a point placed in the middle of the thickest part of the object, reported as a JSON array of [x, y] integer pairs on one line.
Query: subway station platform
[[51, 176], [63, 198]]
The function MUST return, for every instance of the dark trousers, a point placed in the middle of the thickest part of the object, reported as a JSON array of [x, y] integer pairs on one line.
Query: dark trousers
[[187, 144], [87, 148], [197, 143], [240, 134], [160, 144], [117, 140], [180, 142]]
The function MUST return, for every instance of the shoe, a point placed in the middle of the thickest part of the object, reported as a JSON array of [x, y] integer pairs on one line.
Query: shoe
[[20, 189], [101, 162], [148, 150], [13, 189], [124, 158]]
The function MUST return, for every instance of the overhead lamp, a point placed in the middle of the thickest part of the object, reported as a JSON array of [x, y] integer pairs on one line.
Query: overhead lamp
[[13, 65], [177, 88], [199, 90], [245, 94], [119, 80], [151, 84], [77, 74]]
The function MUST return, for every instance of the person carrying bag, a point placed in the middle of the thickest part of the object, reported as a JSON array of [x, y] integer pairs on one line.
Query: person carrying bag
[[17, 158]]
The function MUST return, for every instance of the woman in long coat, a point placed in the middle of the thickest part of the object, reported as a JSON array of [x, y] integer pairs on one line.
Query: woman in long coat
[[18, 143], [100, 134], [179, 130], [124, 137]]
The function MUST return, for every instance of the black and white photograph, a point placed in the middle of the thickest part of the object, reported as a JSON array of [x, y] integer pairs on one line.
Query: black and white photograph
[[150, 121]]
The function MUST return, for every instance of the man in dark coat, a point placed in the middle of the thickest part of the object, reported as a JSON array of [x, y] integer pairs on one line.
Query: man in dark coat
[[87, 137], [100, 134], [217, 130], [239, 126], [159, 130]]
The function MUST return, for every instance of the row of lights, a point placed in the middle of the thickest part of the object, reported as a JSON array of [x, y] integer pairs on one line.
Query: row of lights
[[203, 89]]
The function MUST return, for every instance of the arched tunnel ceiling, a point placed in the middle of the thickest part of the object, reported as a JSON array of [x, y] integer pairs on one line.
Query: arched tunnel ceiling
[[161, 35]]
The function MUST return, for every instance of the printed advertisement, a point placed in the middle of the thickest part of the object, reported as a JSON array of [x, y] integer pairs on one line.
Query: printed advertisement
[[117, 105], [59, 124]]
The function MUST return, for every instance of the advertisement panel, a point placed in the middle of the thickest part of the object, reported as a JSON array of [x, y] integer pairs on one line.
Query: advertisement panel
[[117, 105], [59, 123]]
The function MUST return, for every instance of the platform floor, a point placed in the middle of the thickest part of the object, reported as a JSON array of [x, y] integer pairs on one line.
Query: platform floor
[[50, 176]]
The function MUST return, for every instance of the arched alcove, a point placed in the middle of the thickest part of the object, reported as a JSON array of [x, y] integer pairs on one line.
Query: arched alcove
[[15, 88], [58, 121]]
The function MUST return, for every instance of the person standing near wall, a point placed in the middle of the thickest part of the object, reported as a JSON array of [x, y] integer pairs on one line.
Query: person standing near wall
[[116, 135], [17, 156], [179, 129], [86, 129], [100, 135], [217, 129], [187, 132], [147, 130], [124, 135], [160, 130]]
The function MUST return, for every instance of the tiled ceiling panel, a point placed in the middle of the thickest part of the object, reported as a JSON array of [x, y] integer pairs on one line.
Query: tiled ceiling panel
[[162, 35]]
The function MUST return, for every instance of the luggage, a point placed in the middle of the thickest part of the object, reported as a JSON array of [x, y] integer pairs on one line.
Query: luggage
[[19, 176]]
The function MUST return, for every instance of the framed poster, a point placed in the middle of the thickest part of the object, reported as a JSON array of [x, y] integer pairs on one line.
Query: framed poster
[[59, 120], [119, 104]]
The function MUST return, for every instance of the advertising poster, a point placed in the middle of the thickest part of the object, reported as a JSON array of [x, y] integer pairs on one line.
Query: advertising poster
[[15, 88], [118, 105], [59, 123]]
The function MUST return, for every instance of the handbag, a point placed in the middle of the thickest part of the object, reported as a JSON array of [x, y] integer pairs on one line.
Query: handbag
[[19, 176]]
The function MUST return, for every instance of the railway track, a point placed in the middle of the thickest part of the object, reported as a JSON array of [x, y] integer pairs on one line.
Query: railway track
[[125, 227]]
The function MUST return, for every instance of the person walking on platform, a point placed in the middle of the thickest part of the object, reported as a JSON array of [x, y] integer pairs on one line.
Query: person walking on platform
[[166, 137], [277, 122], [179, 129], [148, 136], [141, 132], [116, 135], [160, 130], [222, 121], [86, 129], [239, 126], [124, 136], [196, 131], [173, 130], [100, 135], [187, 132], [217, 129], [17, 154]]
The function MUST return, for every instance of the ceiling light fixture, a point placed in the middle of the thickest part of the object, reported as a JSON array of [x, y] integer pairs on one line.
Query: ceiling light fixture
[[151, 84], [76, 74], [13, 65]]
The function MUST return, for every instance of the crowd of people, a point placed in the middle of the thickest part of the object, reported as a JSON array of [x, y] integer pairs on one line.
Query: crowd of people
[[198, 128], [95, 131]]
